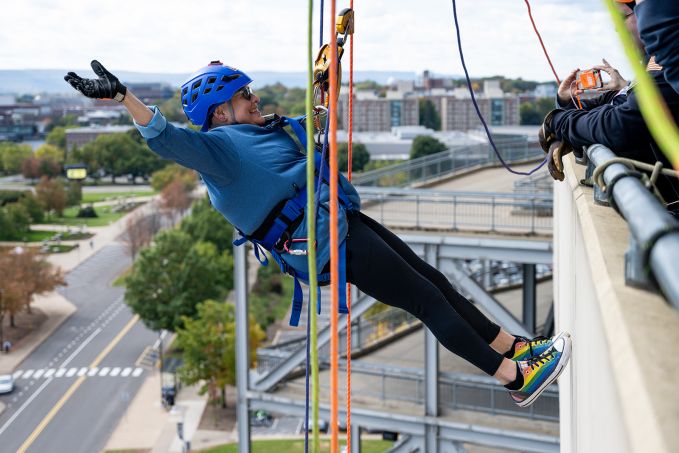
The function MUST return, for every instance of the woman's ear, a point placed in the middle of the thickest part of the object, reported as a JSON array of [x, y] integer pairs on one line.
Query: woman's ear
[[221, 116]]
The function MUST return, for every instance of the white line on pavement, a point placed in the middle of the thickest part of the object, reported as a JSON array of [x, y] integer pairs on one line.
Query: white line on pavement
[[82, 371], [137, 372], [16, 374], [104, 371], [71, 372], [27, 374], [23, 406], [115, 371], [60, 372], [93, 371], [126, 372], [38, 373], [49, 372], [80, 348]]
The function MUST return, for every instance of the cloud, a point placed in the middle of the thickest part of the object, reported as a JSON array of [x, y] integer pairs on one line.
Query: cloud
[[178, 35]]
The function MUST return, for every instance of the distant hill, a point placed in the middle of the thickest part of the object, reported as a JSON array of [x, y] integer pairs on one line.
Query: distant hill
[[52, 80]]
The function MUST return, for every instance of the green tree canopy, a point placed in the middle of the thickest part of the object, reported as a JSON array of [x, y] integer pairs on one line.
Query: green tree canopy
[[359, 157], [535, 112], [117, 155], [57, 137], [423, 145], [163, 177], [171, 277], [50, 152], [12, 156], [208, 344], [206, 224], [429, 117]]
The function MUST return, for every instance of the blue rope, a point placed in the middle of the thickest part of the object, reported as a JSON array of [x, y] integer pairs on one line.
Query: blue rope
[[476, 106]]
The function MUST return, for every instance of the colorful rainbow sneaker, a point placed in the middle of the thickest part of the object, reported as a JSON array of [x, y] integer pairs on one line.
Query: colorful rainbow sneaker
[[538, 372], [524, 348]]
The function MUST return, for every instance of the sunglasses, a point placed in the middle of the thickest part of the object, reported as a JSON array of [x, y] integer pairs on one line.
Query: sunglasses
[[246, 92]]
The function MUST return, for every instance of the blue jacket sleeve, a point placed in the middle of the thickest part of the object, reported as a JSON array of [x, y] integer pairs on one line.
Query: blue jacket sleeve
[[209, 153], [658, 22]]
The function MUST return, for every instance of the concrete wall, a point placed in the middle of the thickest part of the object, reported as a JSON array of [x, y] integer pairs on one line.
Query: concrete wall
[[618, 393]]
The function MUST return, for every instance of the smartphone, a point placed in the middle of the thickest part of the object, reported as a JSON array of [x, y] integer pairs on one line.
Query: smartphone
[[589, 79]]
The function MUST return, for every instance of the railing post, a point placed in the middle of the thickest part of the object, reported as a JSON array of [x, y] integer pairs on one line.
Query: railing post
[[532, 217], [417, 211], [242, 346], [492, 209], [454, 212]]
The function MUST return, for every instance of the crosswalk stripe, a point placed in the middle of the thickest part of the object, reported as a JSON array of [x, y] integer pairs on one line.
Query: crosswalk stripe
[[27, 374], [137, 372], [60, 372], [71, 372], [104, 371], [82, 371], [115, 371], [126, 372], [49, 372], [17, 374], [93, 371], [38, 373]]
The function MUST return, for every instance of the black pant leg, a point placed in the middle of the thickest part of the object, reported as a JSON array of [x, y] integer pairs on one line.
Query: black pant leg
[[379, 271], [484, 326]]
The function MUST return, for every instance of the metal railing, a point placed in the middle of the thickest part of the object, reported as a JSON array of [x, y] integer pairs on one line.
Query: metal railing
[[446, 163], [366, 331], [457, 391], [453, 211]]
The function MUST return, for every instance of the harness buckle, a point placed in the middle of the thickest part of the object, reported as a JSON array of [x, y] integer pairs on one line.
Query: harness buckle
[[295, 252]]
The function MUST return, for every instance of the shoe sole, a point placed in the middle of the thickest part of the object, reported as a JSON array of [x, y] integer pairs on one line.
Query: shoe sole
[[563, 361]]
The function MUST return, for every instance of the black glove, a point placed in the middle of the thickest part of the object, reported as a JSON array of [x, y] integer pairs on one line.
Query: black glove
[[107, 86], [545, 135]]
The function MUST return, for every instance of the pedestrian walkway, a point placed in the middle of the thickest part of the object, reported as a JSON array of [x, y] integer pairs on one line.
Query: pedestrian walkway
[[45, 373]]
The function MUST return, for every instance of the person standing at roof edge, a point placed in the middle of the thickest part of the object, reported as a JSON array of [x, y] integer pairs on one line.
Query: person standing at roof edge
[[255, 173], [658, 22], [613, 119]]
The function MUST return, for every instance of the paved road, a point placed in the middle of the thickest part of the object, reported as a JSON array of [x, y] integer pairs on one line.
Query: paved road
[[62, 403]]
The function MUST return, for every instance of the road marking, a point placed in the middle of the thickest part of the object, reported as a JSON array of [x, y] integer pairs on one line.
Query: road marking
[[60, 372], [115, 371], [137, 372], [71, 372], [23, 406], [27, 374], [104, 371], [93, 371], [49, 372], [82, 371], [50, 415], [38, 373], [80, 348], [16, 374], [126, 372]]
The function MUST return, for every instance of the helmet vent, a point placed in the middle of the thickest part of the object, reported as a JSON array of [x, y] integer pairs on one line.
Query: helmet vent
[[184, 91], [193, 98], [196, 84], [219, 88], [207, 90], [212, 80], [229, 78]]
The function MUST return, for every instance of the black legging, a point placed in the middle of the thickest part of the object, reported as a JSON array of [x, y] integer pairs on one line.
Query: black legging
[[384, 267]]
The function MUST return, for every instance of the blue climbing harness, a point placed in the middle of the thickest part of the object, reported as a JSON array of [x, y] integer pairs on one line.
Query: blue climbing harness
[[277, 234]]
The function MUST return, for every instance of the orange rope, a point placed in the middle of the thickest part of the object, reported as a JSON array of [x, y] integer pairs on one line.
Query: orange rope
[[544, 49], [349, 171], [334, 245]]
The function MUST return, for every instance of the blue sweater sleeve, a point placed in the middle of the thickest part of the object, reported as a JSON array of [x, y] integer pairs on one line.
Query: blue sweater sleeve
[[658, 22], [209, 153]]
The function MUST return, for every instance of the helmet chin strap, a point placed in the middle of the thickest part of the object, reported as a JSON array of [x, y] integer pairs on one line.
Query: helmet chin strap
[[232, 112]]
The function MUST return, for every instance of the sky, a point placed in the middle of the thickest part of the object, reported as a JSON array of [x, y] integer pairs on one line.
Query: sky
[[180, 36]]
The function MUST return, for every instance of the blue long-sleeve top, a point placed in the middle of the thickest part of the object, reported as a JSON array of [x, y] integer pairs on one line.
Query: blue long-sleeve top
[[248, 170], [658, 22]]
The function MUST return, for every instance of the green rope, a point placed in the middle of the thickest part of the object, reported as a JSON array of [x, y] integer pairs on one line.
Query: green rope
[[660, 123], [311, 232]]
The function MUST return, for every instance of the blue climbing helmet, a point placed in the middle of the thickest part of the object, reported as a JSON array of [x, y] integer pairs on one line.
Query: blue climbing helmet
[[208, 88]]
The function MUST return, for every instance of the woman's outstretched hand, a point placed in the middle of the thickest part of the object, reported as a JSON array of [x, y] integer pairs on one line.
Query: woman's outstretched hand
[[106, 86]]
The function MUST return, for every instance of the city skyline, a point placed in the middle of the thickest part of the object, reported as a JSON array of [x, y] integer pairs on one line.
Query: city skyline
[[177, 39]]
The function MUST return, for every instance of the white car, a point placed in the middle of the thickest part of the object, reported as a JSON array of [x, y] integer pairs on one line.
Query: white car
[[6, 383]]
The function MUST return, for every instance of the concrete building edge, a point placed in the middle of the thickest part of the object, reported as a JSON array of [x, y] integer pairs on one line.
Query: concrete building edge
[[642, 426]]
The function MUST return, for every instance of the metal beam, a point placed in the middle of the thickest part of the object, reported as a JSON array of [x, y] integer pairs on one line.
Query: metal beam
[[470, 247], [529, 297], [414, 425], [431, 369], [408, 444], [296, 358], [242, 346], [481, 297]]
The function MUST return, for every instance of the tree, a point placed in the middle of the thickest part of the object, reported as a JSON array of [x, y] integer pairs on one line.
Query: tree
[[15, 221], [535, 112], [115, 154], [52, 195], [34, 168], [50, 152], [12, 156], [171, 277], [57, 137], [175, 200], [429, 117], [25, 274], [206, 224], [172, 110], [33, 207], [74, 193], [359, 156], [139, 231], [424, 145], [208, 345], [166, 175]]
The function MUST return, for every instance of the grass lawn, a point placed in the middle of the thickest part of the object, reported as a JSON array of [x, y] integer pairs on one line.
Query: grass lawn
[[94, 197], [42, 235], [295, 446], [105, 213]]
